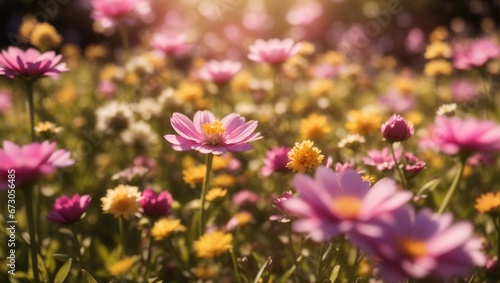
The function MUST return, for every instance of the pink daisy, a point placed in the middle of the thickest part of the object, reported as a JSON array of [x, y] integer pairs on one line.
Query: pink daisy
[[32, 64], [273, 51], [68, 210], [109, 13], [476, 53], [206, 134], [170, 43], [219, 72]]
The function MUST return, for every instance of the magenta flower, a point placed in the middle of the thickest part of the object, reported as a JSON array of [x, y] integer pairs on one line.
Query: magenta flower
[[156, 205], [30, 64], [477, 53], [273, 51], [413, 165], [465, 136], [279, 204], [394, 101], [245, 197], [5, 101], [30, 161], [396, 129], [69, 210], [464, 90], [341, 167], [423, 245], [276, 160], [209, 135], [382, 159], [329, 204], [170, 43], [219, 72], [109, 13]]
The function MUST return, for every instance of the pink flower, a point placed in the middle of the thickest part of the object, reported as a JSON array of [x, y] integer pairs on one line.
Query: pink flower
[[170, 43], [413, 165], [476, 53], [464, 90], [465, 136], [219, 72], [396, 102], [108, 88], [423, 245], [276, 160], [382, 159], [32, 64], [273, 51], [30, 161], [396, 129], [341, 167], [245, 197], [5, 101], [279, 204], [68, 210], [109, 13], [209, 135], [329, 204], [304, 14], [156, 205]]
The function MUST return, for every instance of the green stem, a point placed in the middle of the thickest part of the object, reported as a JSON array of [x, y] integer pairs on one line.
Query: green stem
[[208, 163], [148, 259], [496, 222], [235, 266], [77, 244], [125, 41], [396, 163], [122, 235], [177, 256], [320, 262], [453, 186], [29, 94], [28, 197], [290, 241]]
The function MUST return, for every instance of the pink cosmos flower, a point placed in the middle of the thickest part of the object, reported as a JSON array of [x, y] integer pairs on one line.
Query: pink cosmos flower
[[273, 51], [206, 134], [382, 159], [476, 53], [329, 204], [5, 101], [396, 129], [276, 160], [32, 64], [68, 210], [156, 205], [30, 161], [109, 13], [219, 72], [245, 197], [341, 167], [278, 203], [453, 135], [170, 43], [422, 245], [325, 71], [413, 165]]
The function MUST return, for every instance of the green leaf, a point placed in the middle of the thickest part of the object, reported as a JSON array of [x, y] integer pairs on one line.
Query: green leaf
[[335, 273], [261, 270], [429, 186], [61, 257], [63, 272], [88, 277], [288, 274]]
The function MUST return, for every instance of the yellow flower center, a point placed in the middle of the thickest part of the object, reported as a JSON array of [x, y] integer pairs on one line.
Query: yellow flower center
[[213, 133], [412, 247], [122, 203], [347, 206]]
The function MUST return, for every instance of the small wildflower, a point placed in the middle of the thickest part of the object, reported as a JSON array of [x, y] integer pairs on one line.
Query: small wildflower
[[351, 141], [489, 202], [165, 227], [122, 201], [397, 129], [438, 49], [438, 67], [447, 110], [276, 161], [304, 157], [26, 28], [363, 122], [44, 36], [213, 244], [194, 175], [215, 194], [204, 273], [238, 220], [121, 267], [321, 87], [404, 85], [47, 130], [314, 127], [224, 181]]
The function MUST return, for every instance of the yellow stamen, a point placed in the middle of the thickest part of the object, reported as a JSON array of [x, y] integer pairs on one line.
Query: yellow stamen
[[347, 206], [412, 247], [213, 132]]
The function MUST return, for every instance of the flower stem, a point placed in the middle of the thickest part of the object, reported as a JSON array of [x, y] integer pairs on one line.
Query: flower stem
[[28, 197], [77, 244], [148, 259], [208, 163], [453, 186], [235, 265], [396, 163], [29, 94], [122, 235], [125, 40]]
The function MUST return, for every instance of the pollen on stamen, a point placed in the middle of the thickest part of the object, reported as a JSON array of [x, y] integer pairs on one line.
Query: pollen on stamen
[[213, 133]]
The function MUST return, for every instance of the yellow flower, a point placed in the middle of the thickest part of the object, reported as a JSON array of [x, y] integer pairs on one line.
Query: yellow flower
[[415, 117], [488, 202], [122, 201], [211, 245], [194, 175], [405, 85], [438, 67], [238, 220], [189, 92], [438, 49], [96, 52], [44, 36], [66, 94], [306, 48], [304, 157], [47, 130], [166, 227], [215, 193], [363, 122], [439, 34], [369, 178], [220, 163], [223, 180], [314, 127], [321, 87], [204, 273], [27, 26], [241, 82], [333, 58], [121, 267]]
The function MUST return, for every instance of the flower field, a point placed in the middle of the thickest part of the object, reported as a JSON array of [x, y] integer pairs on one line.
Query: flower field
[[250, 141]]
